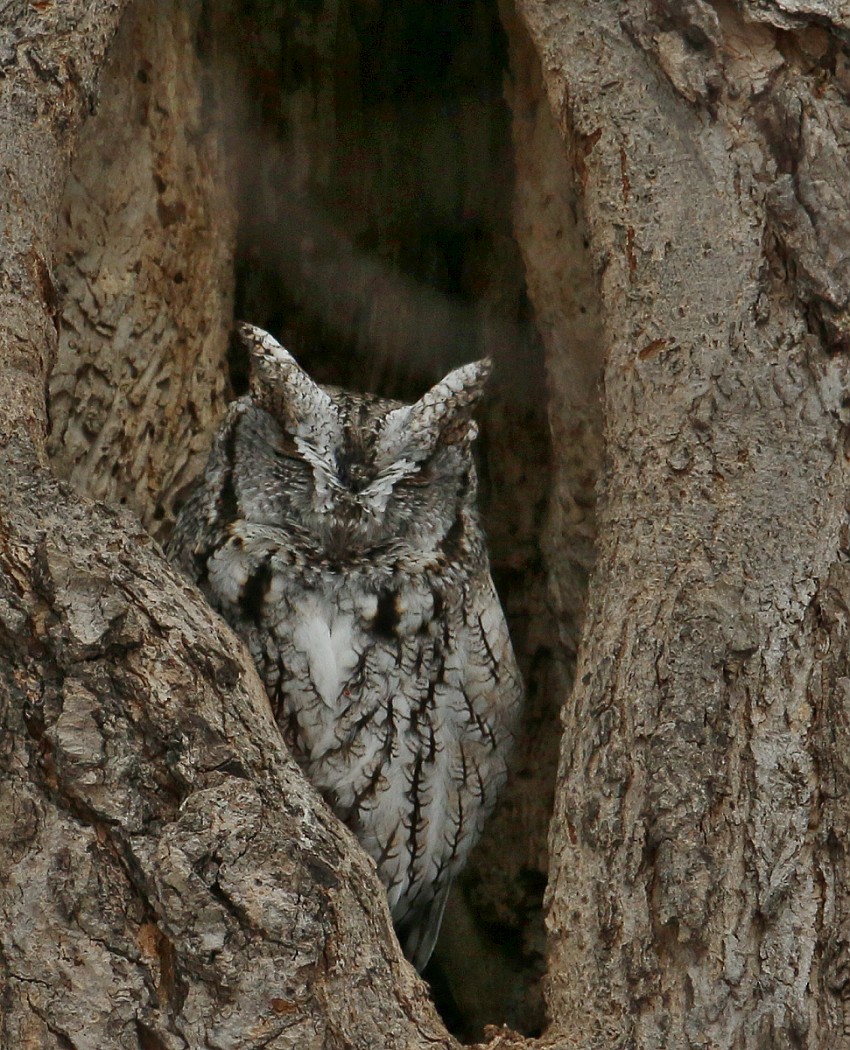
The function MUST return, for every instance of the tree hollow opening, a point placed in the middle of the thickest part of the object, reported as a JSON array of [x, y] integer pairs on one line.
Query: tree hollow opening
[[403, 204], [376, 240]]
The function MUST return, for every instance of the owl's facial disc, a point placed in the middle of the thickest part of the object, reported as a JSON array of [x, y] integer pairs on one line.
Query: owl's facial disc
[[363, 451]]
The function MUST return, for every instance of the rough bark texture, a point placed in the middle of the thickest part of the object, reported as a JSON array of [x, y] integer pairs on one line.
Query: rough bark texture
[[699, 883], [48, 80], [144, 268]]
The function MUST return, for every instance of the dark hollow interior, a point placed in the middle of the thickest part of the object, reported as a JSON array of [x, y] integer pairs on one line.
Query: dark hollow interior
[[374, 162]]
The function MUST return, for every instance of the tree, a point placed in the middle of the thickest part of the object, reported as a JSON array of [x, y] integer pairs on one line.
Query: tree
[[167, 877]]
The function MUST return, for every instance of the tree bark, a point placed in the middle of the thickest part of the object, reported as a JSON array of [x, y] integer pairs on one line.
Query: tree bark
[[698, 893], [144, 267]]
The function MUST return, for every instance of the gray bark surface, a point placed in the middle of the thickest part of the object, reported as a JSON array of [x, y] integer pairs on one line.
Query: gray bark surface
[[698, 885], [144, 268], [49, 79], [169, 879]]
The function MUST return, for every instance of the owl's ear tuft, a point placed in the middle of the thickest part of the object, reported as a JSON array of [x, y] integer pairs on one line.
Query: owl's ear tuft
[[447, 407], [280, 385], [442, 415]]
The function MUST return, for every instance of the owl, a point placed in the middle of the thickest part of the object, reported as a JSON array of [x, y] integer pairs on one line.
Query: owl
[[337, 533]]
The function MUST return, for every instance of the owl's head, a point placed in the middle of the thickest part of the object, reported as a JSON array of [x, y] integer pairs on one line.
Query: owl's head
[[355, 471]]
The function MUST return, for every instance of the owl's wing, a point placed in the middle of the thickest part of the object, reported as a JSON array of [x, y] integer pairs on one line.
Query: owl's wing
[[201, 525], [492, 682], [484, 708]]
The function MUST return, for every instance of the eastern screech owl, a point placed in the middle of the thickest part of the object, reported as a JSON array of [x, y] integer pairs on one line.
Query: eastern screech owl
[[337, 533]]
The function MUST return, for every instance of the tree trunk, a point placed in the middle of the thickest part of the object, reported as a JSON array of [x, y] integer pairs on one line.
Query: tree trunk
[[167, 878], [698, 894]]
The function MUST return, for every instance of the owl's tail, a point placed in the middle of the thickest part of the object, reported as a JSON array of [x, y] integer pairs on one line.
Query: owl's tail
[[417, 932]]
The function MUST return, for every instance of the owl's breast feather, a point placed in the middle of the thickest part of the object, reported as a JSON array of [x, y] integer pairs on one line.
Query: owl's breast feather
[[326, 637]]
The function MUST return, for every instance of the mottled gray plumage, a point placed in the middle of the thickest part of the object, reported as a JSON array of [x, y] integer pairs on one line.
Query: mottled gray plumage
[[338, 534]]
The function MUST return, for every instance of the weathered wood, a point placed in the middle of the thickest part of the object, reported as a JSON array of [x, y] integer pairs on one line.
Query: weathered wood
[[698, 889], [51, 55], [169, 879], [144, 266]]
